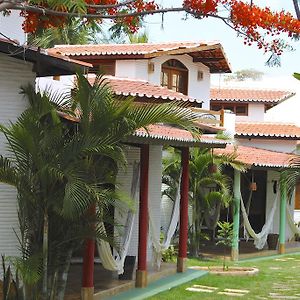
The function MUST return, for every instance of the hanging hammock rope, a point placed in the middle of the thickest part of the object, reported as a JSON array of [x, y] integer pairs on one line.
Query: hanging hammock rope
[[116, 263], [295, 229], [154, 228], [260, 238], [212, 216]]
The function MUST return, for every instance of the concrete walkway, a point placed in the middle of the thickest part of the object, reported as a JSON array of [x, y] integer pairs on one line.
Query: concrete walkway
[[159, 286]]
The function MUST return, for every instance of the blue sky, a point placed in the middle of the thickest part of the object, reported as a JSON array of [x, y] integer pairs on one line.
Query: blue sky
[[176, 28]]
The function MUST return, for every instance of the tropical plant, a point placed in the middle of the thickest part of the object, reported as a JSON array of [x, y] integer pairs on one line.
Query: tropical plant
[[138, 38], [75, 31], [225, 236], [61, 169], [210, 188], [297, 75]]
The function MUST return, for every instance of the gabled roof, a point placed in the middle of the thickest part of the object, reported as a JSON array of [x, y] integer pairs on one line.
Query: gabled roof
[[209, 53], [267, 130], [258, 157], [143, 89], [46, 64], [248, 95]]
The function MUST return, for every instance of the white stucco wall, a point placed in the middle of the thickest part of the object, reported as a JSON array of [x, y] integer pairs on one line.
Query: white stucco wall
[[124, 178], [11, 26], [229, 122], [286, 146], [271, 197], [138, 69], [13, 74], [65, 83], [256, 112]]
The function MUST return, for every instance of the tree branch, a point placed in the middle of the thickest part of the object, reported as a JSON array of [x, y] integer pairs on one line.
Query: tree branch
[[48, 11], [4, 5], [297, 10], [108, 6]]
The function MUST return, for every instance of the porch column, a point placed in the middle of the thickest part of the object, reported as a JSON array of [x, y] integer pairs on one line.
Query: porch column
[[87, 289], [236, 215], [283, 199], [141, 273], [184, 204]]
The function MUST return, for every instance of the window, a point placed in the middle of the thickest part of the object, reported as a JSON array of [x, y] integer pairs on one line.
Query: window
[[174, 76], [238, 109]]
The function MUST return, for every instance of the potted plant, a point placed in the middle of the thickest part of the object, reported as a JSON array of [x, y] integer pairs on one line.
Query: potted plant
[[272, 241]]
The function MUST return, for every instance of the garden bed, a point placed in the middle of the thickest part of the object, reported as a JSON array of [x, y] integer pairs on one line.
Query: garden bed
[[230, 271]]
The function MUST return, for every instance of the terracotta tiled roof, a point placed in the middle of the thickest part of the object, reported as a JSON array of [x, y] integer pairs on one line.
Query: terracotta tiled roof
[[125, 49], [165, 133], [142, 88], [248, 95], [270, 130], [209, 53], [258, 157]]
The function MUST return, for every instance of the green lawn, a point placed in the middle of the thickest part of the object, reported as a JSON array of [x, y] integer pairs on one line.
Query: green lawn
[[279, 278]]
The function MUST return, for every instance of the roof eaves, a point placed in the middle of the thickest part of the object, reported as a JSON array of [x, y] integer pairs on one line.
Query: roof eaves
[[46, 64], [181, 50], [145, 138], [265, 135]]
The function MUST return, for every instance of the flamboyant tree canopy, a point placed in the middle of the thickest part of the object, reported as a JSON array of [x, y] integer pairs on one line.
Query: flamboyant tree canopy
[[259, 25]]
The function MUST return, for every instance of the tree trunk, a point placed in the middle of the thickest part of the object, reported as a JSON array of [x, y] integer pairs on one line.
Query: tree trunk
[[45, 256], [62, 283]]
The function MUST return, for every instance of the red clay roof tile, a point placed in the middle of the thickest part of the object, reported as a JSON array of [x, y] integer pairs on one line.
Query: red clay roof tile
[[142, 88], [258, 157], [248, 95], [211, 53], [169, 133], [126, 49], [264, 129]]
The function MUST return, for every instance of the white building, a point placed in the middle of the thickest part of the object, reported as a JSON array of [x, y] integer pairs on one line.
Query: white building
[[19, 66], [266, 146]]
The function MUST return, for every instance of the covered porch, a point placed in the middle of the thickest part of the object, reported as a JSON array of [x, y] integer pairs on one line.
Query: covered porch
[[146, 148], [262, 208]]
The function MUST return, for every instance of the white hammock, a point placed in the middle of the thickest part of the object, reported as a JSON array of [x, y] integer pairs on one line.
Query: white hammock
[[154, 228], [260, 238], [110, 262], [295, 229]]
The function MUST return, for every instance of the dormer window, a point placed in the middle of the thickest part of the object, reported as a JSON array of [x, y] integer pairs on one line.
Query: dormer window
[[174, 76]]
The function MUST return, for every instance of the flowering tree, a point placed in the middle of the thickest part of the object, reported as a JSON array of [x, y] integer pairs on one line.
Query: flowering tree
[[257, 25]]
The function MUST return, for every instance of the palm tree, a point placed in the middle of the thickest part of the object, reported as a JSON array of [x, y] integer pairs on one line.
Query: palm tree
[[61, 169], [138, 38], [75, 31], [209, 187], [297, 75]]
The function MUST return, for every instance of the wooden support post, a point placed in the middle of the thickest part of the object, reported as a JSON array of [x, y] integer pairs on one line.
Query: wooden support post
[[87, 289], [283, 200], [222, 117], [236, 215], [184, 204], [141, 273]]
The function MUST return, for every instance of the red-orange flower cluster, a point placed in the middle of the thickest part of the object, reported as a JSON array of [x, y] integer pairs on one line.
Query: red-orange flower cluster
[[202, 7], [34, 21], [258, 25]]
